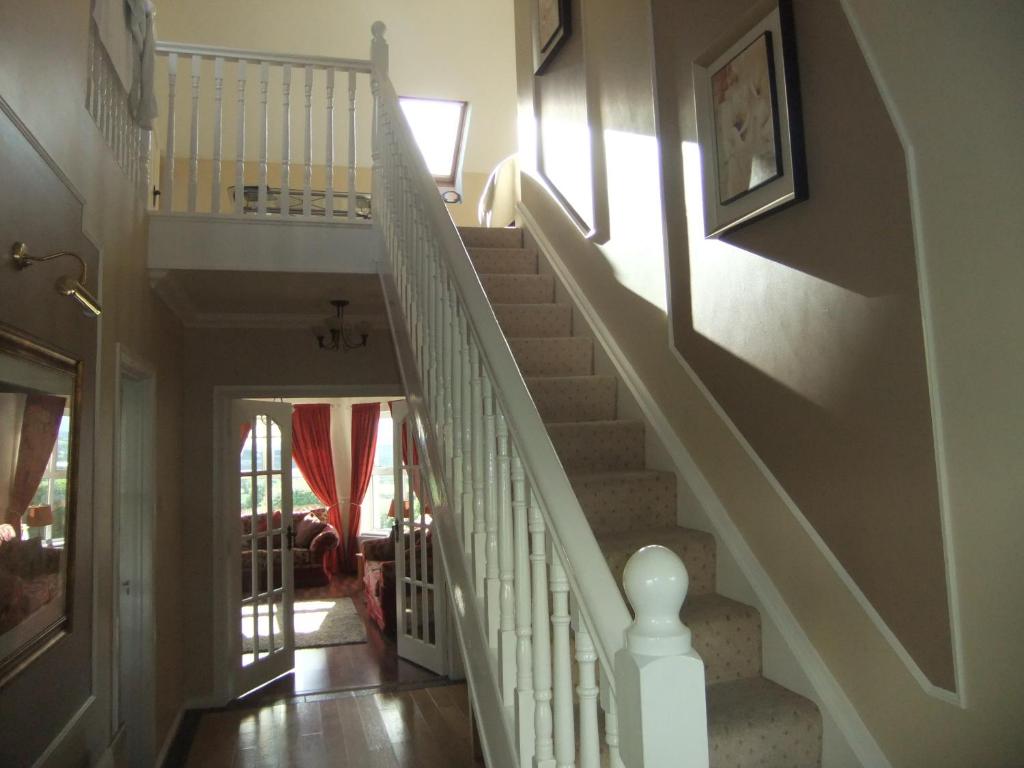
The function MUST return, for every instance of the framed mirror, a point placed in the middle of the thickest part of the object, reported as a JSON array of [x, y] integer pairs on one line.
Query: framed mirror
[[39, 396]]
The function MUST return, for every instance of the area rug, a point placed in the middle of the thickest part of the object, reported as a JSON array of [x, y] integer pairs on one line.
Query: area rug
[[318, 623]]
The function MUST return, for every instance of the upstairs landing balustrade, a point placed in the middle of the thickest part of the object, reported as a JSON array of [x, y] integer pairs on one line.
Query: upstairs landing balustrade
[[254, 134]]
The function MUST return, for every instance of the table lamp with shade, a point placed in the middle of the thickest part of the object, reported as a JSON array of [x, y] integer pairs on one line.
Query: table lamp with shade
[[39, 516]]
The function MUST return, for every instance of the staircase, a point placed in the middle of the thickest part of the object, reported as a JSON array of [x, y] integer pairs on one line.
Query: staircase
[[751, 720]]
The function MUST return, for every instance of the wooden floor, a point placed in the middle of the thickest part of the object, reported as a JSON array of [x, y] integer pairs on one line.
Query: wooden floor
[[422, 728], [374, 663]]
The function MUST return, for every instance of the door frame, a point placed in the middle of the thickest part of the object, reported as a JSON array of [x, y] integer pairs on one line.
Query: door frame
[[225, 573], [131, 367]]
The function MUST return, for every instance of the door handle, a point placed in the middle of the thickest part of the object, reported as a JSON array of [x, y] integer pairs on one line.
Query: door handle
[[127, 585], [291, 538]]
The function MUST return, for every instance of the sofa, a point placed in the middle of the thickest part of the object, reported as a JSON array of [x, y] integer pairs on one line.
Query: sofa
[[314, 538]]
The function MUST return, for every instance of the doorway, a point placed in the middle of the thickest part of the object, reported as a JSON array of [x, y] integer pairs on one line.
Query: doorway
[[134, 636], [339, 640]]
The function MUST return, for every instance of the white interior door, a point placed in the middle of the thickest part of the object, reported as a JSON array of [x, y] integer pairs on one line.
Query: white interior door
[[133, 522], [420, 601], [264, 644]]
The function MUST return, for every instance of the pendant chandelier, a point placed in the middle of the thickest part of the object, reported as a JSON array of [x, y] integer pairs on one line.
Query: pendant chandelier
[[335, 334]]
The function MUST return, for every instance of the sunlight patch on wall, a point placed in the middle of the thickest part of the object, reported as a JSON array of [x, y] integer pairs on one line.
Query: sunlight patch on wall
[[779, 320], [567, 161], [636, 247]]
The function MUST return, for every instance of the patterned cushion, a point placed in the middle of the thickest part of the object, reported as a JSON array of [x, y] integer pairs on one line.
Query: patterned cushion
[[307, 529]]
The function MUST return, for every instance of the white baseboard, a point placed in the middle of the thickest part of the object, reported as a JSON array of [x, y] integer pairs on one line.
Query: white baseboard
[[830, 694], [169, 739]]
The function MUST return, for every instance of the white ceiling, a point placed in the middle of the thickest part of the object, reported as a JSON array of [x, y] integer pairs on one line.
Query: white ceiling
[[269, 299]]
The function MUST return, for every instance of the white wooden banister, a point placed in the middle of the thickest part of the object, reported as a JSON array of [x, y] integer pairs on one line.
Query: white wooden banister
[[536, 604], [271, 151]]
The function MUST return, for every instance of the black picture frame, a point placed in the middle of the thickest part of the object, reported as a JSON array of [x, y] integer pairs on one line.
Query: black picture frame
[[745, 173], [549, 35]]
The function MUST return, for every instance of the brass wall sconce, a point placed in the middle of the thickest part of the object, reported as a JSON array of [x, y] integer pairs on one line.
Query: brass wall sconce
[[66, 285]]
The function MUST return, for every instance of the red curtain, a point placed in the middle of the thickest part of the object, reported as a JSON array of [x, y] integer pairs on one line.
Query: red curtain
[[311, 449], [364, 444], [244, 431], [39, 428]]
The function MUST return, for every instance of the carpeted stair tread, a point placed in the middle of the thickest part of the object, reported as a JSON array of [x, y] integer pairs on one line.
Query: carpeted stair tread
[[696, 548], [595, 446], [755, 723], [519, 289], [504, 261], [491, 237], [567, 356], [614, 501], [534, 320], [573, 398], [726, 634]]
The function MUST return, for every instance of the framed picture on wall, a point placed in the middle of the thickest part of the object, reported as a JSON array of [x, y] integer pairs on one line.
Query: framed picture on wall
[[550, 30], [39, 398], [749, 124]]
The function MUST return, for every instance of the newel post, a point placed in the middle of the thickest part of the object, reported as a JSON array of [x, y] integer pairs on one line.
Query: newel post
[[378, 71], [659, 678]]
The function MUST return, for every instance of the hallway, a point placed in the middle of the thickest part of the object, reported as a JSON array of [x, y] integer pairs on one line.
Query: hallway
[[425, 727]]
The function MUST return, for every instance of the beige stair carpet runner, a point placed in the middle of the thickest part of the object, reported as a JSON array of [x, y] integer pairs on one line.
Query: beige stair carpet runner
[[752, 721]]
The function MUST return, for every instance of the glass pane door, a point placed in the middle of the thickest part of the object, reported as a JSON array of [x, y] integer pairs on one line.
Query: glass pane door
[[420, 600], [266, 641]]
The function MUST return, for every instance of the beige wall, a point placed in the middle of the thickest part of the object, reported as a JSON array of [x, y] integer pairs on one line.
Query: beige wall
[[258, 362], [43, 78], [806, 325], [969, 278]]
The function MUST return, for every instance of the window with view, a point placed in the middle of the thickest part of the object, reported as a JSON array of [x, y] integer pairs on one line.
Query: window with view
[[53, 487], [439, 127], [302, 496], [380, 494]]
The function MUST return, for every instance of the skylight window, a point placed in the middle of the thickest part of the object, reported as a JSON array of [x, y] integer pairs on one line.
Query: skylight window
[[438, 126]]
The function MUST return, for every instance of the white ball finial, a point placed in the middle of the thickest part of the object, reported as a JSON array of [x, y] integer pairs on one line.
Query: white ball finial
[[378, 29], [656, 582]]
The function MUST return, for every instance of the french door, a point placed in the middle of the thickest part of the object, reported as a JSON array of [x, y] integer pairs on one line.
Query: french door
[[264, 636], [420, 599]]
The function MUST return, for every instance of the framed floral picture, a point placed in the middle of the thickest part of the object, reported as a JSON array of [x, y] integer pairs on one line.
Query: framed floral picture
[[550, 29], [749, 124]]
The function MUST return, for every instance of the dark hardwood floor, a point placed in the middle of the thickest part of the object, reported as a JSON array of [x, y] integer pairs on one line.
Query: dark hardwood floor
[[423, 728]]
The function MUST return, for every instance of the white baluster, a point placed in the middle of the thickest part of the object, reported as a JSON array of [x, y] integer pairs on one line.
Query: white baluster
[[561, 664], [587, 690], [523, 617], [285, 196], [506, 566], [167, 170], [218, 118], [261, 200], [193, 151], [544, 756], [351, 146], [240, 142], [329, 162], [457, 460], [468, 507], [658, 671], [307, 181], [611, 722], [491, 515], [479, 504], [447, 353]]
